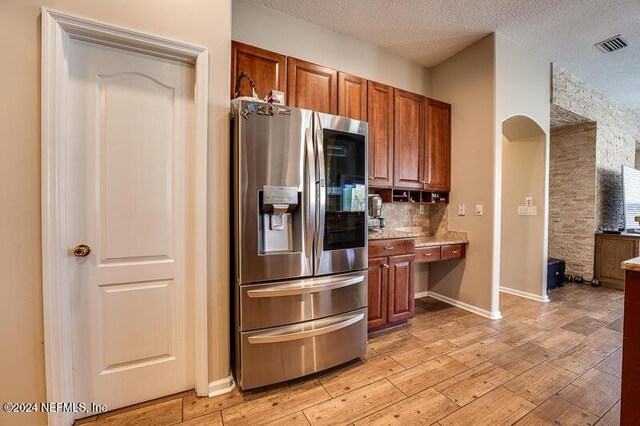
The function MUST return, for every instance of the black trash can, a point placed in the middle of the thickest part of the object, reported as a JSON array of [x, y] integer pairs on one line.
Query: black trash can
[[555, 273]]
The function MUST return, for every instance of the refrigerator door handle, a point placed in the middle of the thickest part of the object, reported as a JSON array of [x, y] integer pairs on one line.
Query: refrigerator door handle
[[296, 290], [321, 186], [310, 197], [306, 334]]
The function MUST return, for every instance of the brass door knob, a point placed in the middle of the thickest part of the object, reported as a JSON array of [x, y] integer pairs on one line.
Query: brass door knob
[[82, 250]]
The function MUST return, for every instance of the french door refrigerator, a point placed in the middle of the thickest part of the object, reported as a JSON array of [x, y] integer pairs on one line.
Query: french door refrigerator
[[300, 244]]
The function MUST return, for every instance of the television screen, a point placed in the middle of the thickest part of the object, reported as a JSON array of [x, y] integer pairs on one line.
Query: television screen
[[631, 191]]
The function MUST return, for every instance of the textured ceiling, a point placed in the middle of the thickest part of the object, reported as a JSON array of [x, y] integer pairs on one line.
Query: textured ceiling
[[429, 31]]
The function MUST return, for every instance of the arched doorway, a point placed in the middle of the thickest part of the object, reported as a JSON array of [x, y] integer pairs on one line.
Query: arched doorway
[[523, 245]]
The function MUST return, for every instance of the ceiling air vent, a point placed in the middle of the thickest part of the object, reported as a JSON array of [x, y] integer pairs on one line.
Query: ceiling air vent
[[612, 44]]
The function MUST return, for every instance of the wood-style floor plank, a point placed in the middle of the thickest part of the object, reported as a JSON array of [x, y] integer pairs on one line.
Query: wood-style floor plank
[[359, 375], [557, 411], [472, 384], [276, 405], [498, 407], [425, 375], [423, 408], [424, 353], [212, 419], [521, 358], [612, 418], [595, 391], [612, 364], [480, 352], [354, 405], [541, 382], [579, 358], [164, 413]]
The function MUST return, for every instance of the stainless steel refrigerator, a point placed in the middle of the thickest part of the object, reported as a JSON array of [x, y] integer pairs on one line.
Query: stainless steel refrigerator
[[300, 244]]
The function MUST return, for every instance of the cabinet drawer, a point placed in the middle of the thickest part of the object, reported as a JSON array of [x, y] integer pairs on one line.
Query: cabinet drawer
[[452, 251], [391, 247], [427, 254]]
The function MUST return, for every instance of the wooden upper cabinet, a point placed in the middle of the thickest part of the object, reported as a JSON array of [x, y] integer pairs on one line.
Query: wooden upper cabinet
[[352, 96], [268, 69], [409, 142], [380, 118], [312, 86], [438, 144]]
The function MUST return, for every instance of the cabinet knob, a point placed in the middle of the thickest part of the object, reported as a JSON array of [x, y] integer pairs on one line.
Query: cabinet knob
[[371, 178], [428, 254], [389, 248], [454, 251], [385, 266]]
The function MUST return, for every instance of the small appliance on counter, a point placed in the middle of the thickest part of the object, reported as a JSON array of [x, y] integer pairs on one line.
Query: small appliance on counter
[[300, 247], [375, 220]]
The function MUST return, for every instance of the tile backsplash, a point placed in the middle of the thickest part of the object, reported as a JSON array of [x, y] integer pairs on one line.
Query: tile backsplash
[[402, 215]]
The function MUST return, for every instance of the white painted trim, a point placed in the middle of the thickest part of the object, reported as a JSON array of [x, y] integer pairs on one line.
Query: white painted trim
[[420, 294], [221, 386], [57, 29], [495, 315], [520, 293]]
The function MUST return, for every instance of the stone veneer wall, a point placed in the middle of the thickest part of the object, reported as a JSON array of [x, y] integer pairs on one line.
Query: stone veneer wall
[[572, 197], [434, 219], [618, 131]]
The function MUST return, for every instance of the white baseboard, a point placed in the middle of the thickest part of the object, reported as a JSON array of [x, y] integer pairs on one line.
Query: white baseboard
[[419, 294], [495, 315], [222, 386], [536, 297]]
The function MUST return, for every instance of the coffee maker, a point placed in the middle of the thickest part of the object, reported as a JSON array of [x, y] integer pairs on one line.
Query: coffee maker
[[375, 219]]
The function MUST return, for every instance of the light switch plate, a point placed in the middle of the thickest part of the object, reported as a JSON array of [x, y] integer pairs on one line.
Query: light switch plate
[[527, 211], [462, 209], [479, 210], [528, 201]]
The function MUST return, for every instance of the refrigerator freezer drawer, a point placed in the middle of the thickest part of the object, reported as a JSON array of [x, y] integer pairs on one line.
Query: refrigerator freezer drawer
[[271, 305], [283, 353]]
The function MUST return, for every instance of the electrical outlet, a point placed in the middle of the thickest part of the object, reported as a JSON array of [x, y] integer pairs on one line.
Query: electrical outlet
[[462, 209], [479, 210], [421, 208]]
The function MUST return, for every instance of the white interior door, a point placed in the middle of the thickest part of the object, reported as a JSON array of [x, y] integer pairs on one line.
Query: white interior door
[[129, 196]]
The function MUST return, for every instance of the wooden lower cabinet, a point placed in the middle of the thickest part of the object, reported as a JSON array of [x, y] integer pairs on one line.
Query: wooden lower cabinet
[[391, 290], [377, 278], [611, 251], [401, 282]]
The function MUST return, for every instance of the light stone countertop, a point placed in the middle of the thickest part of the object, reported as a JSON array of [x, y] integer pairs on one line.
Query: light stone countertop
[[423, 239], [632, 264]]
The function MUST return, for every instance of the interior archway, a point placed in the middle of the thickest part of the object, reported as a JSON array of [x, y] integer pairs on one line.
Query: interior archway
[[523, 251]]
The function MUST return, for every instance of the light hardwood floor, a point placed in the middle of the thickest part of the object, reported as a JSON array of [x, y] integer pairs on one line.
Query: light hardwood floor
[[554, 363]]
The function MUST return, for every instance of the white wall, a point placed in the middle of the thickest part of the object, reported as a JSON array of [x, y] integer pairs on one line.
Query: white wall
[[203, 22], [272, 30], [523, 87]]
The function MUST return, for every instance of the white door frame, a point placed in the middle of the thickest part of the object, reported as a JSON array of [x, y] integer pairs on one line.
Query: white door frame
[[57, 29]]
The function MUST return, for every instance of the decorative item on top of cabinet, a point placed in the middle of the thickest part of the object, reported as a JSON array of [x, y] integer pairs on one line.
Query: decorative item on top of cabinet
[[380, 118], [352, 96], [312, 86], [438, 146], [268, 69], [409, 152]]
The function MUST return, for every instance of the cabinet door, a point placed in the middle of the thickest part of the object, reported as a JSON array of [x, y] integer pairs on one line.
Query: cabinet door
[[377, 279], [380, 116], [409, 147], [438, 143], [312, 86], [268, 69], [352, 96], [401, 287]]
